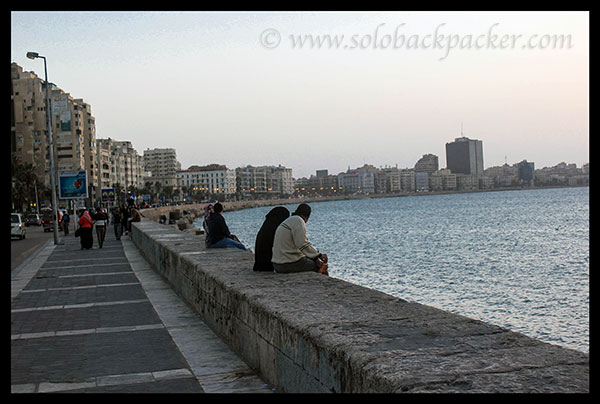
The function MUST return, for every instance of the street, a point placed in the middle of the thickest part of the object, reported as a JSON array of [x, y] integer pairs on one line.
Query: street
[[21, 249]]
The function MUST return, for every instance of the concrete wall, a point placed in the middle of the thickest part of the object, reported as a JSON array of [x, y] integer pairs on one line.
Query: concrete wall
[[312, 333]]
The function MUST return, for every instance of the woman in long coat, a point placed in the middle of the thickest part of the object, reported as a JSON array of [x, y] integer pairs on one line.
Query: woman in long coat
[[263, 248], [85, 230]]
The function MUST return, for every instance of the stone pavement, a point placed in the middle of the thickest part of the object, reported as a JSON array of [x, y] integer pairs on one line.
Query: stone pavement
[[103, 321]]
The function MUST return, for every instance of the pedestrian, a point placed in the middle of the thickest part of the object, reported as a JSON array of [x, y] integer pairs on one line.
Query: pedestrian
[[116, 220], [66, 219], [220, 237], [85, 230], [263, 248], [124, 219], [208, 209], [100, 220], [292, 252], [134, 216]]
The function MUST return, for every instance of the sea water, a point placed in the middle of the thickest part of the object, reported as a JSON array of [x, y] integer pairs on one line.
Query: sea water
[[518, 259]]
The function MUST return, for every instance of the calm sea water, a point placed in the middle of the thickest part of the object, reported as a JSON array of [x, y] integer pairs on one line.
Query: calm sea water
[[517, 259]]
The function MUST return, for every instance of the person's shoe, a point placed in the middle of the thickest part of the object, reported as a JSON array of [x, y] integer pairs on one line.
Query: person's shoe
[[323, 268]]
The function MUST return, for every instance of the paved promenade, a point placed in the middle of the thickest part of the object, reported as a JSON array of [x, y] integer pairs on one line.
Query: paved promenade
[[103, 321]]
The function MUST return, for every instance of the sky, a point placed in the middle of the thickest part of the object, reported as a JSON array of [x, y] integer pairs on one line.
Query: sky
[[383, 88]]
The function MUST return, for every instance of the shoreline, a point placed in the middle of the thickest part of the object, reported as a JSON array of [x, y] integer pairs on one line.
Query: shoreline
[[196, 210]]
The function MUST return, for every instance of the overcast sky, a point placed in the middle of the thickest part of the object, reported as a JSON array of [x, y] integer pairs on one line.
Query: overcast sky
[[236, 88]]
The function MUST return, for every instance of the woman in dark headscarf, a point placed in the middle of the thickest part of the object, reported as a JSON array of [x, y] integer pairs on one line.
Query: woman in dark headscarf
[[208, 209], [263, 249]]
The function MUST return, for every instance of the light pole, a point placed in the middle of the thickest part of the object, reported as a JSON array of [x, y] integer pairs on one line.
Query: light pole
[[33, 55]]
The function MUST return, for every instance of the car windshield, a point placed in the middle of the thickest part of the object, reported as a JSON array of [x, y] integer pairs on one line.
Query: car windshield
[[32, 217], [14, 218]]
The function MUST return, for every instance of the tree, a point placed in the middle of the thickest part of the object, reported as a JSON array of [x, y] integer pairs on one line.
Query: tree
[[23, 180]]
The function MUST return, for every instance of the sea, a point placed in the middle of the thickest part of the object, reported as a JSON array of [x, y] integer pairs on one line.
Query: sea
[[518, 259]]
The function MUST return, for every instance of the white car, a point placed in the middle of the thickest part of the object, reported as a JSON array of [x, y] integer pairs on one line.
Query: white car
[[17, 226]]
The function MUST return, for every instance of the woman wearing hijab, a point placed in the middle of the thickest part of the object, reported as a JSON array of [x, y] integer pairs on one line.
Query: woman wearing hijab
[[85, 230], [264, 239], [208, 209]]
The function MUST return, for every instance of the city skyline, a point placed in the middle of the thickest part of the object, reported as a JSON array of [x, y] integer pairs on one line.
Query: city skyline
[[212, 86]]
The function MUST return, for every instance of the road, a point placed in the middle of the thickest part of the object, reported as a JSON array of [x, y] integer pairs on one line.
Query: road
[[20, 250]]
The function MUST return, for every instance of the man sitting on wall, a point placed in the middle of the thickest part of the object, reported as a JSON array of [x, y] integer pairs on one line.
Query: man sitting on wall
[[220, 237], [292, 252]]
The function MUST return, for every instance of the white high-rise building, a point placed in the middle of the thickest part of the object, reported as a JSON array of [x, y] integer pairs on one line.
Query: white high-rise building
[[163, 165]]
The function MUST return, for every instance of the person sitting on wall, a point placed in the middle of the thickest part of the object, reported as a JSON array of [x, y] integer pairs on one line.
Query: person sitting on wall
[[220, 237], [264, 239], [208, 210], [292, 252]]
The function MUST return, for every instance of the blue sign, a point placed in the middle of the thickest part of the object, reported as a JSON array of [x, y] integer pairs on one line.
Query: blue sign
[[108, 195], [72, 184]]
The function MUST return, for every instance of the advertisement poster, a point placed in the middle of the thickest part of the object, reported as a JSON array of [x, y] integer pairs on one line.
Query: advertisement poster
[[72, 184], [108, 195], [60, 108]]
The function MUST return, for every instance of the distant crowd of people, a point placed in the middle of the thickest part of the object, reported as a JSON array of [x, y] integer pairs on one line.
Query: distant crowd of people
[[282, 243], [120, 217]]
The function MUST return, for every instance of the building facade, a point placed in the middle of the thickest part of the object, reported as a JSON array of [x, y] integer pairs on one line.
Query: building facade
[[427, 164], [266, 180], [73, 129], [119, 165], [163, 166], [465, 156], [29, 129], [210, 179]]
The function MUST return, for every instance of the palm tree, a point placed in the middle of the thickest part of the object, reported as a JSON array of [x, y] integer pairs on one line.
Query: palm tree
[[23, 179]]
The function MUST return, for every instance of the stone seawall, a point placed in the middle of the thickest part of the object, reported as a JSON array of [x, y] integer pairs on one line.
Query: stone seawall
[[197, 210], [312, 333]]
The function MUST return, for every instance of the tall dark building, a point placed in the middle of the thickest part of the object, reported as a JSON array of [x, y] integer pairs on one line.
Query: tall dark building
[[526, 170], [465, 156]]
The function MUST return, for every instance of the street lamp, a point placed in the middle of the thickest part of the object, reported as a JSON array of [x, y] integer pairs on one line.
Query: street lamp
[[33, 55]]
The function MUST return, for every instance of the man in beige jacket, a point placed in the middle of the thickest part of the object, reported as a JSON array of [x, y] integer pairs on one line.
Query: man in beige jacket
[[292, 252]]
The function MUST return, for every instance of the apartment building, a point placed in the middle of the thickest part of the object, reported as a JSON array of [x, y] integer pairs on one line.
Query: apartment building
[[322, 183], [29, 129], [269, 180], [442, 180], [359, 180], [212, 179], [119, 164], [163, 165], [427, 164], [73, 128], [421, 181], [393, 181], [407, 180]]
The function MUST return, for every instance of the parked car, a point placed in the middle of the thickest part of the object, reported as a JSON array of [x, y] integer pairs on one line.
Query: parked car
[[33, 219], [17, 226]]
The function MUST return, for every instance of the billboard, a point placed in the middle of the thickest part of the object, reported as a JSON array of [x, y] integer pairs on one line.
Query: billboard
[[72, 184], [108, 195], [60, 108]]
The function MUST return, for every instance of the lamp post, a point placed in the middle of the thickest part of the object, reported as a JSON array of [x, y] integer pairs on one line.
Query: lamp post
[[33, 55]]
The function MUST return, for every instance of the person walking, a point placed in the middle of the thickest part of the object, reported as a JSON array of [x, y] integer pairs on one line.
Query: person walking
[[65, 223], [124, 219], [100, 220], [85, 230], [292, 252], [116, 220]]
